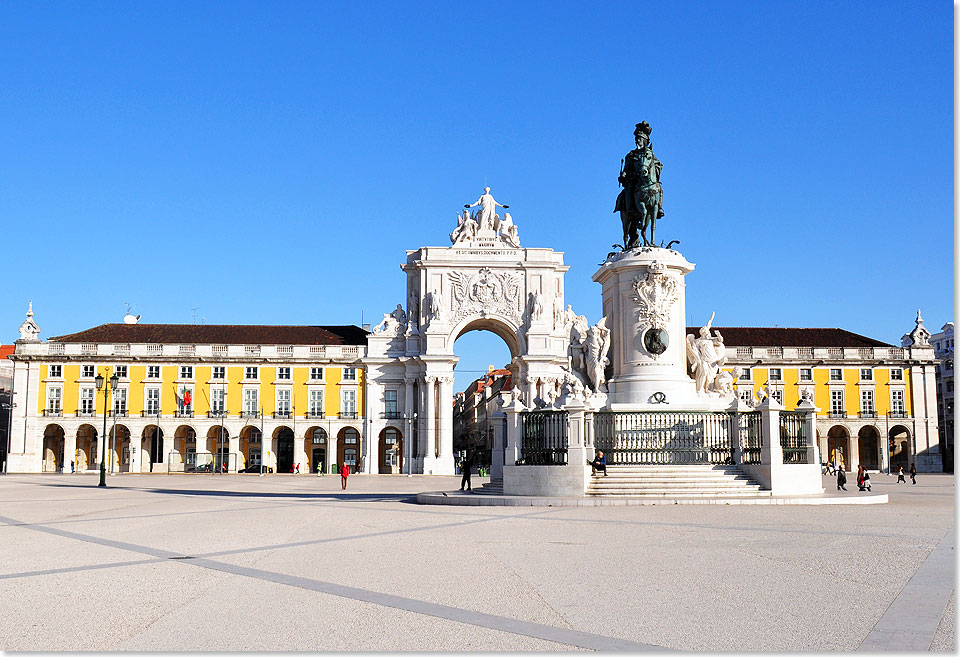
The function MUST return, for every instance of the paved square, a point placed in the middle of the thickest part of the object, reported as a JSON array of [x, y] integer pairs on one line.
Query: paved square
[[282, 562]]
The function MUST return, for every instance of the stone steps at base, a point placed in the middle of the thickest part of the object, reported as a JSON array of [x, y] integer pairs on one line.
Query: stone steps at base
[[668, 481], [680, 494]]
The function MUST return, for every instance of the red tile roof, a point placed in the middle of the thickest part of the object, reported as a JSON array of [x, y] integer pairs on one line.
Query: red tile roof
[[218, 334], [757, 336], [7, 349]]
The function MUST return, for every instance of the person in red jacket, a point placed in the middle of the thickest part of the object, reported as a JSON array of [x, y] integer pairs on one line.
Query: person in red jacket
[[344, 473]]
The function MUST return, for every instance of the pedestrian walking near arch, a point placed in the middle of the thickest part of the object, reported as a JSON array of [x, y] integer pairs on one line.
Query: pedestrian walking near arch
[[344, 473]]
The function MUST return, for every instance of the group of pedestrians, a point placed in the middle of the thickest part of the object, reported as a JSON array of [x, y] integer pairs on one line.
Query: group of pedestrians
[[863, 477]]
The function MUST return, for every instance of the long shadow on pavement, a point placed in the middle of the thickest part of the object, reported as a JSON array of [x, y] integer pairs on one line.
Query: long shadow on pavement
[[355, 497]]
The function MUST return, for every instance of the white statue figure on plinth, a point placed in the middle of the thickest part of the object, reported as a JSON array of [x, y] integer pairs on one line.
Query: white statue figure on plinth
[[436, 303], [535, 305], [707, 355], [597, 346], [392, 323], [576, 353], [466, 228], [508, 231], [488, 210]]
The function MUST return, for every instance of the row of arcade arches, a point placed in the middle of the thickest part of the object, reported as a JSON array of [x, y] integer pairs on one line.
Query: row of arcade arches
[[315, 448], [866, 447]]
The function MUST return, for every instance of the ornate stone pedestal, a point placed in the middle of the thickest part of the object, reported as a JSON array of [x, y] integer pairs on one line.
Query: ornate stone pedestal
[[644, 302]]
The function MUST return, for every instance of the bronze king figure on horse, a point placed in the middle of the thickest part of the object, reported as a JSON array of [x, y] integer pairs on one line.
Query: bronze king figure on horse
[[640, 202]]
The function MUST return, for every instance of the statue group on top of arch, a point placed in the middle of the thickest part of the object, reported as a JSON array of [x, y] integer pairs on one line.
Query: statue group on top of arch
[[485, 223], [707, 354]]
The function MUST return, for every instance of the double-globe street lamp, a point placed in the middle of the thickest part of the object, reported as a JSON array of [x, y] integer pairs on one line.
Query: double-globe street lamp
[[113, 386]]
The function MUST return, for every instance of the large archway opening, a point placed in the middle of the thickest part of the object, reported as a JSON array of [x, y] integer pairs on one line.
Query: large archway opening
[[315, 445], [250, 446], [87, 455], [284, 437], [899, 438], [485, 368], [348, 448], [390, 446], [868, 444], [53, 444], [151, 441], [838, 446]]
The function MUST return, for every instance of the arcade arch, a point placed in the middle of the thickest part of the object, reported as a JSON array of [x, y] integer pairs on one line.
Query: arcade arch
[[868, 447], [185, 445], [315, 446], [53, 448], [118, 449], [390, 448], [250, 449], [838, 445], [151, 445], [900, 452], [87, 452], [283, 438], [348, 448]]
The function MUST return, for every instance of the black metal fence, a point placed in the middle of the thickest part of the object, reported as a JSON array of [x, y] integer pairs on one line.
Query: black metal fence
[[751, 438], [665, 437], [544, 438], [793, 436]]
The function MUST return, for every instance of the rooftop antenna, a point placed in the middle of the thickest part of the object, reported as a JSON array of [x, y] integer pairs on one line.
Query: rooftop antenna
[[129, 317], [195, 313]]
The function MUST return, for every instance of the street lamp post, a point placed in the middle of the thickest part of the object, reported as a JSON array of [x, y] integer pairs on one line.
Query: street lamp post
[[103, 460]]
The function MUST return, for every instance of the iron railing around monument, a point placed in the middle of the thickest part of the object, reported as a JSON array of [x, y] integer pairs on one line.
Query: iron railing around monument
[[751, 438], [793, 436], [665, 437], [544, 436]]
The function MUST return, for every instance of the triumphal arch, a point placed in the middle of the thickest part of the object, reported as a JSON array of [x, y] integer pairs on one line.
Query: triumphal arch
[[484, 281]]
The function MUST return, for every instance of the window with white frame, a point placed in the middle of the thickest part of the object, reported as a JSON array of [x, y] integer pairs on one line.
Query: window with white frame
[[349, 402], [120, 371], [777, 394], [185, 399], [283, 373], [390, 403], [218, 400], [316, 374], [866, 374], [153, 371], [120, 401], [153, 401], [319, 436], [55, 399], [86, 400], [746, 394], [745, 374], [219, 372], [806, 374], [250, 373], [186, 371], [776, 374], [56, 371], [349, 373], [88, 371], [896, 374], [836, 401], [316, 403], [866, 402], [283, 401], [897, 407], [250, 398], [836, 374]]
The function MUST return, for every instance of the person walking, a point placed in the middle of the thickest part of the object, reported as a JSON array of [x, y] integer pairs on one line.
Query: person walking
[[320, 468], [344, 473], [465, 469], [866, 482], [860, 477], [900, 478], [913, 473], [841, 479]]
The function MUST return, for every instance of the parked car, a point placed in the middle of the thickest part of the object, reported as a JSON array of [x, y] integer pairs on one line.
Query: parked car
[[256, 469]]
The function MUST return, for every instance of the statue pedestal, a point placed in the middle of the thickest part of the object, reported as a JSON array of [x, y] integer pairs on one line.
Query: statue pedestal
[[644, 302]]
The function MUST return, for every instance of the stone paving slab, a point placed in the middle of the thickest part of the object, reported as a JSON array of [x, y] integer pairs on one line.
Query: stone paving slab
[[285, 563]]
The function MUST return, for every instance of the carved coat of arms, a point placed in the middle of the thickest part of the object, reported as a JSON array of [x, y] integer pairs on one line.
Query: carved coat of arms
[[655, 293], [486, 292]]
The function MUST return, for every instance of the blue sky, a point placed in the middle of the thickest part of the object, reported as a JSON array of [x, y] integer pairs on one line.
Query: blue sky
[[271, 162]]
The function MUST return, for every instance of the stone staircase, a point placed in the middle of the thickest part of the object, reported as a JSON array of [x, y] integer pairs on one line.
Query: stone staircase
[[675, 481], [492, 487]]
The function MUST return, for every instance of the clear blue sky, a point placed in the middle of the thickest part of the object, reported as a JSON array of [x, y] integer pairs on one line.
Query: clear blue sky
[[270, 162]]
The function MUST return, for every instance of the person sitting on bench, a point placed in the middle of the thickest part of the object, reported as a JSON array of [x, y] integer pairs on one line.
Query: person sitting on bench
[[599, 462]]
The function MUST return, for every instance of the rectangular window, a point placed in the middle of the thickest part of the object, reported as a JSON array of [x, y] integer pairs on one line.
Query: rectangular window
[[316, 403], [806, 374], [153, 401], [283, 373], [88, 371], [120, 401], [283, 401], [896, 374], [746, 394], [218, 400], [745, 374], [349, 373], [349, 402], [185, 400], [186, 371], [836, 401], [866, 374], [250, 400], [897, 406], [56, 371], [390, 403], [86, 400], [250, 373], [778, 395], [254, 456], [120, 371], [836, 374], [54, 399], [776, 374], [153, 371], [219, 373], [866, 402], [316, 374]]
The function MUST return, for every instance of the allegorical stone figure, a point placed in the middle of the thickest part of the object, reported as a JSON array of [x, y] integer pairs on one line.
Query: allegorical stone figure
[[488, 210], [641, 199]]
